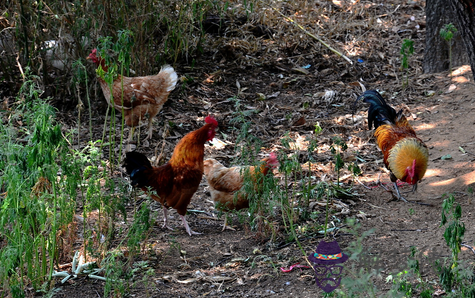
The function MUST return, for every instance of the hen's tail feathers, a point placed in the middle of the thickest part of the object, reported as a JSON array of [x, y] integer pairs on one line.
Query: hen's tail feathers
[[136, 164], [171, 77], [379, 111]]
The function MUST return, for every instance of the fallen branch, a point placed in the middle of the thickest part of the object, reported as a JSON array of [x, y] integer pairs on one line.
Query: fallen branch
[[468, 246], [292, 267], [310, 34]]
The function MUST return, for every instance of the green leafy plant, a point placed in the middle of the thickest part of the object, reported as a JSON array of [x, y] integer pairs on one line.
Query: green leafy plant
[[44, 182], [361, 271], [336, 149], [407, 49], [456, 278], [455, 230], [120, 50], [447, 33], [409, 281], [260, 190], [29, 221], [140, 229]]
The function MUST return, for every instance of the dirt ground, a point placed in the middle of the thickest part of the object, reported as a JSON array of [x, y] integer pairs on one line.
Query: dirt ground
[[241, 264]]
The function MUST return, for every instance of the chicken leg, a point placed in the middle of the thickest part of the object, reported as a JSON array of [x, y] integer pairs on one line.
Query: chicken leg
[[399, 196], [165, 219], [150, 129], [131, 134], [394, 180], [225, 226], [183, 219], [187, 227]]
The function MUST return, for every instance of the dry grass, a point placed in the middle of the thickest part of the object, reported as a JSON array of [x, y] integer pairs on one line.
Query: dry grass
[[50, 37]]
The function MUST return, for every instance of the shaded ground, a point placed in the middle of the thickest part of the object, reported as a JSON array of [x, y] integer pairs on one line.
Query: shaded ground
[[226, 264], [241, 263]]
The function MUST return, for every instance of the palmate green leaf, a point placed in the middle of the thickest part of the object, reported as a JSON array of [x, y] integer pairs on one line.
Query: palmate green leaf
[[446, 277], [339, 163], [458, 212], [447, 32], [407, 49], [444, 219], [354, 168]]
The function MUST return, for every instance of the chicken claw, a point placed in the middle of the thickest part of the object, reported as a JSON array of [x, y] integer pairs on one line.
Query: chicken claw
[[187, 227], [225, 225], [399, 194]]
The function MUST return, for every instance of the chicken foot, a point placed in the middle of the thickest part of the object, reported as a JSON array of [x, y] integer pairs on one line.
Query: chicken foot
[[183, 219], [149, 135], [187, 227], [165, 219], [131, 134], [225, 225], [399, 196], [394, 181], [150, 129]]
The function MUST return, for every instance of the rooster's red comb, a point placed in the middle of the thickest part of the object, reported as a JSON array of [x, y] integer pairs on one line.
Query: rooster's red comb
[[210, 120]]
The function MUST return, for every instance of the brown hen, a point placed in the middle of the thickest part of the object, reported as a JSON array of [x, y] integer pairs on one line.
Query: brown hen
[[137, 97], [226, 185]]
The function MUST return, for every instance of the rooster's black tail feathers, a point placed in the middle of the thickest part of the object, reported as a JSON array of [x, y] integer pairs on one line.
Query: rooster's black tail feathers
[[136, 164], [379, 111]]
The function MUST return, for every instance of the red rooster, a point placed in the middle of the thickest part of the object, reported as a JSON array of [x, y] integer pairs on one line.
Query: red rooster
[[405, 155], [226, 184], [138, 97], [176, 181]]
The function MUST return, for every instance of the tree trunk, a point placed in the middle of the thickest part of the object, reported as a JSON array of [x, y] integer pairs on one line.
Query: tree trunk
[[464, 11], [436, 55]]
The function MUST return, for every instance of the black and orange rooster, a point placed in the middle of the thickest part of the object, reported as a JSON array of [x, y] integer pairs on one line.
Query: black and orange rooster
[[405, 155], [176, 181]]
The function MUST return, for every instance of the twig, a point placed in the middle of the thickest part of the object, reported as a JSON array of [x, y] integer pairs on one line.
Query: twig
[[469, 152], [297, 265], [367, 187], [165, 133], [374, 206], [468, 246], [208, 217], [20, 68], [310, 34], [408, 230]]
